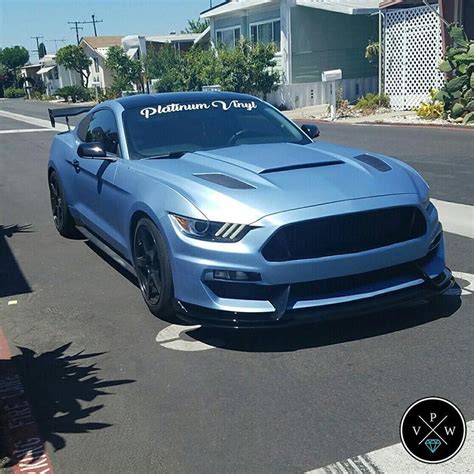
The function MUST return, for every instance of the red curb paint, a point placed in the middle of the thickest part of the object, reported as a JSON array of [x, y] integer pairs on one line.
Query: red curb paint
[[28, 452]]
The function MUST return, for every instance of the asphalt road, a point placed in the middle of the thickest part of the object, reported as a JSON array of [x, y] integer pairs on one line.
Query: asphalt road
[[109, 398]]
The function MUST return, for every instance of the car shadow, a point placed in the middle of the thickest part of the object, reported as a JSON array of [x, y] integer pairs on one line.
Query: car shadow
[[63, 389], [313, 335], [12, 279], [330, 332], [127, 275]]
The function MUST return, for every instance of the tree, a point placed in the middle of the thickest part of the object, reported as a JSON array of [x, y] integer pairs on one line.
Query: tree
[[14, 57], [168, 67], [41, 50], [249, 68], [196, 26], [74, 58], [125, 71]]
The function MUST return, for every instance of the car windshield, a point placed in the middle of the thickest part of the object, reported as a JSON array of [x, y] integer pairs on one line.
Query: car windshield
[[169, 130]]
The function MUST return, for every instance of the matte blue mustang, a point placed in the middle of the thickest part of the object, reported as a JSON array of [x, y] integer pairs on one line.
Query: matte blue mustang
[[231, 215]]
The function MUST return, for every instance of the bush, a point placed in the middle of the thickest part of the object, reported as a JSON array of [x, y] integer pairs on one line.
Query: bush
[[372, 102], [432, 109], [248, 68], [457, 94], [14, 93], [74, 93], [109, 93], [36, 95]]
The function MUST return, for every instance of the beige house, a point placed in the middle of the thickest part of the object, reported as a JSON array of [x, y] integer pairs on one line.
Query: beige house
[[96, 48]]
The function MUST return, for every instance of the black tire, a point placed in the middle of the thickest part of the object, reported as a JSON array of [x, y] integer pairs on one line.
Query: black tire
[[152, 265], [62, 218]]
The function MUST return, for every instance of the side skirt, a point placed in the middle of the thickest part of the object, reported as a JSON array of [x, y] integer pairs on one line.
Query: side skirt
[[107, 250]]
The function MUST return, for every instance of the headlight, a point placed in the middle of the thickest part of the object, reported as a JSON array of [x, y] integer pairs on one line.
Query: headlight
[[215, 231]]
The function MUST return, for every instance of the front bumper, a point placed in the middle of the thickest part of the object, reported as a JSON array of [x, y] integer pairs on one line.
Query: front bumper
[[409, 296], [305, 290]]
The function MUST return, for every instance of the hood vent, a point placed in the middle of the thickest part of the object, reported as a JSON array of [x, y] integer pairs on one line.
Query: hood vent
[[373, 161], [302, 166], [224, 180]]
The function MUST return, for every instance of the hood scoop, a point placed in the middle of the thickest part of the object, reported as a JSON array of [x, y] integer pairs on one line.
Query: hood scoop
[[224, 180], [301, 166], [373, 161]]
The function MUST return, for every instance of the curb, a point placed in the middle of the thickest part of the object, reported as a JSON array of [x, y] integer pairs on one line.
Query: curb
[[392, 124], [22, 442]]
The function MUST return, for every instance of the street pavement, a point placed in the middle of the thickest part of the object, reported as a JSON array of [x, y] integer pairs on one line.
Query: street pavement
[[115, 389]]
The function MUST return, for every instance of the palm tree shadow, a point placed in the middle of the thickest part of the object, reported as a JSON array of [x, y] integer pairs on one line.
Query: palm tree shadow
[[58, 385]]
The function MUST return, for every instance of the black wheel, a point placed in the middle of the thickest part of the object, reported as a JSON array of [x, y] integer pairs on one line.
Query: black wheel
[[63, 220], [153, 268]]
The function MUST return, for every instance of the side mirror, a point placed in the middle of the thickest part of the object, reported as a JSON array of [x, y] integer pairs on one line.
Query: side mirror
[[311, 130], [92, 150]]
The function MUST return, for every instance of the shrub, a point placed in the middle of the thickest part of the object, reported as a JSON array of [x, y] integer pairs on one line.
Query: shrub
[[432, 109], [372, 51], [371, 102], [74, 93], [109, 93], [14, 93], [457, 94], [36, 95]]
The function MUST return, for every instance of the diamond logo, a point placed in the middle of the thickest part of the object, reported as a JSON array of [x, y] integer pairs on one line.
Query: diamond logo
[[433, 444], [433, 430]]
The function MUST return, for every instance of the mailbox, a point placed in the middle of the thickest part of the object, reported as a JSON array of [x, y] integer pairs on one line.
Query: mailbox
[[334, 75]]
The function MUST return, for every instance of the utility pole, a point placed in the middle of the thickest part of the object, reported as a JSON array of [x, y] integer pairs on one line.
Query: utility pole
[[37, 38], [77, 28], [94, 21], [55, 40]]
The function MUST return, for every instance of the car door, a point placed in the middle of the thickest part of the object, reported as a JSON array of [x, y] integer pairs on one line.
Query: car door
[[95, 190]]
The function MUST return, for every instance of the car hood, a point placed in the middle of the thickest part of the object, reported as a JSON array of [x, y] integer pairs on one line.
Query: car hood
[[247, 182]]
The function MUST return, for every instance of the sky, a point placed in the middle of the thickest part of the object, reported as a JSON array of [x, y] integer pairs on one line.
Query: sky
[[21, 19]]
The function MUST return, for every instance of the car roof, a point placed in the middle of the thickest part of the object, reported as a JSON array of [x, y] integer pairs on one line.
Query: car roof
[[144, 100]]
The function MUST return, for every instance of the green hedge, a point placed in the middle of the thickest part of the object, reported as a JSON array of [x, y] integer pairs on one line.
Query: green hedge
[[14, 93]]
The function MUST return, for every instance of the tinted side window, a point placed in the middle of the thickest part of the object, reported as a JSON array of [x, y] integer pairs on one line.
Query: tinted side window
[[103, 128], [82, 127]]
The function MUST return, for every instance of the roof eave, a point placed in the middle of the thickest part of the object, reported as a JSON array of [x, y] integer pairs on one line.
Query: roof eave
[[233, 7], [338, 8]]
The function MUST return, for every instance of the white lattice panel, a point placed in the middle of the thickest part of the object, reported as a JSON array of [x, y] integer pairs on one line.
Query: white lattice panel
[[413, 49]]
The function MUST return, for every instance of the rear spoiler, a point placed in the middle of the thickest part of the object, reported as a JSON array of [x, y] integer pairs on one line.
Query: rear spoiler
[[66, 112]]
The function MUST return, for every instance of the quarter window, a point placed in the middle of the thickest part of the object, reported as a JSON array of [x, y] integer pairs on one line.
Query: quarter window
[[228, 36], [266, 32], [103, 128]]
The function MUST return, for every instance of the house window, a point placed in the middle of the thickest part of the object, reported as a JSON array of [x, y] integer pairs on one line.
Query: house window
[[96, 64], [266, 32], [228, 36]]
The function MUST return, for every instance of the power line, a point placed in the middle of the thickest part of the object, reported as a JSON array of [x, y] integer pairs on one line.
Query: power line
[[94, 21], [55, 40], [77, 28]]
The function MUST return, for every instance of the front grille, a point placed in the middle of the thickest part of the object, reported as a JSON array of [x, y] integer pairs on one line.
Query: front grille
[[351, 283], [345, 234]]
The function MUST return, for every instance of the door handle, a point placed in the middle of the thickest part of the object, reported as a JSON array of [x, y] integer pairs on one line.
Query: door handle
[[76, 164]]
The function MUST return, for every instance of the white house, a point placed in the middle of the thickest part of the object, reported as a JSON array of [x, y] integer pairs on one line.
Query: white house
[[312, 36], [55, 76], [96, 48], [137, 46]]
